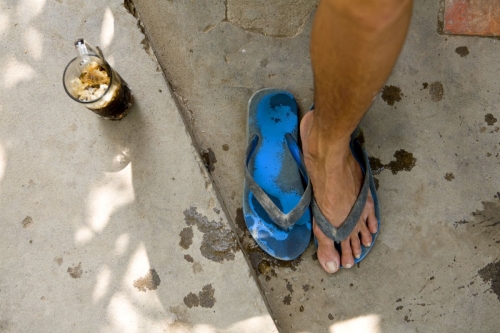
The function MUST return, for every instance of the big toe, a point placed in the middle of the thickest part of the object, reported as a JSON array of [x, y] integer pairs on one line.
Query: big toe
[[328, 256]]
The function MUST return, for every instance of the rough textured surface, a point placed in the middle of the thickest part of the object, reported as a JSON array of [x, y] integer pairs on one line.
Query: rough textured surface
[[214, 73], [284, 18], [91, 210], [478, 17]]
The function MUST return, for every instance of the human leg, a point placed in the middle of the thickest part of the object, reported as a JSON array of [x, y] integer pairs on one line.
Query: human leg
[[354, 46]]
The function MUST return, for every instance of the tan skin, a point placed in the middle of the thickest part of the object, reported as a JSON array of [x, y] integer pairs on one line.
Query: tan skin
[[354, 46]]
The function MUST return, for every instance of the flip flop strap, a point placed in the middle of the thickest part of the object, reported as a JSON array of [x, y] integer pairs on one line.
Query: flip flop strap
[[341, 233], [277, 216]]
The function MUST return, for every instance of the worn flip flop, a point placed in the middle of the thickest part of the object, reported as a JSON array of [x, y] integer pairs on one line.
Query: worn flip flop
[[275, 200], [341, 233]]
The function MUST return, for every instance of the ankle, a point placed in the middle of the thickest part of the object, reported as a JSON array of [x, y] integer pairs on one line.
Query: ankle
[[327, 145]]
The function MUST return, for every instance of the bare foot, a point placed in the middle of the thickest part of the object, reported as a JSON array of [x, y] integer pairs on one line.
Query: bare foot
[[337, 179]]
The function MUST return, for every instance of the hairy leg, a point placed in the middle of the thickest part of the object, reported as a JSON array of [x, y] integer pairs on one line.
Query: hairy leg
[[354, 46]]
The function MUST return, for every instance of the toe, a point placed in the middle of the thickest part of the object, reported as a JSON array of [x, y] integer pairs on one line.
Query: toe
[[328, 256], [371, 219], [347, 258], [372, 222], [366, 236], [355, 246]]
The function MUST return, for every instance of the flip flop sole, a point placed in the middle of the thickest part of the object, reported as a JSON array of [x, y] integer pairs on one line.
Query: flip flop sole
[[272, 113]]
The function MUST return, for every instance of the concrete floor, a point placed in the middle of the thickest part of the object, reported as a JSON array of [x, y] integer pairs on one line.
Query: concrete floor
[[106, 226], [435, 267]]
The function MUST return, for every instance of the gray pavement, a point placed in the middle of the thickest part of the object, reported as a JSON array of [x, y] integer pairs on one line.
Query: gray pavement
[[435, 267], [106, 226]]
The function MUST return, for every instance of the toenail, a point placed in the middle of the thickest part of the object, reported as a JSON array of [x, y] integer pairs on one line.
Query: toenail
[[357, 256], [331, 266], [348, 265], [367, 244]]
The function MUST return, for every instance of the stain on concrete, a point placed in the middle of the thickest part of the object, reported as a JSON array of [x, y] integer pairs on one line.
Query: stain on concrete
[[76, 271], [186, 237], [58, 260], [376, 165], [391, 94], [264, 62], [27, 222], [191, 300], [377, 183], [239, 220], [301, 309], [436, 91], [408, 320], [482, 130], [188, 258], [205, 298], [264, 263], [405, 161], [305, 287], [488, 217], [463, 51], [490, 119], [425, 85], [225, 147], [264, 267], [289, 287], [449, 176], [149, 281], [330, 316], [209, 159], [399, 308], [218, 243], [197, 268], [181, 313], [287, 300], [4, 325]]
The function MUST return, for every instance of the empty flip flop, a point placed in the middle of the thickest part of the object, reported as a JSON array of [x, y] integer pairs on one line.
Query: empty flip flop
[[275, 200], [341, 233]]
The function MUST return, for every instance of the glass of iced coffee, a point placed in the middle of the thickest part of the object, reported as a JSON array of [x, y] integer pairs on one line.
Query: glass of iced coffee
[[90, 80]]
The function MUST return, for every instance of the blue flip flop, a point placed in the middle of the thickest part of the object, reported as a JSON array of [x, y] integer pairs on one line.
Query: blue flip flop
[[341, 233], [275, 200]]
